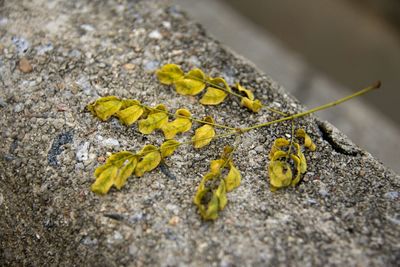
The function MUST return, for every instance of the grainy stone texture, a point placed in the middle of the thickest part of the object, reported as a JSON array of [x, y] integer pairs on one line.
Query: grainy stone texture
[[346, 211]]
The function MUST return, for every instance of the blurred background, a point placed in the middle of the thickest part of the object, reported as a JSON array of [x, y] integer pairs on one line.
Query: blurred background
[[321, 50]]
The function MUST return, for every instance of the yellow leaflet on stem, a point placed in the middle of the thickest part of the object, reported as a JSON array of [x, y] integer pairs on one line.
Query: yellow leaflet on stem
[[180, 125], [168, 147], [105, 107], [219, 82], [155, 120], [115, 171], [204, 134], [300, 133], [233, 179], [192, 84], [210, 201], [130, 112], [277, 145], [280, 174], [169, 74], [216, 166], [249, 94], [105, 180], [150, 158], [213, 96], [253, 105]]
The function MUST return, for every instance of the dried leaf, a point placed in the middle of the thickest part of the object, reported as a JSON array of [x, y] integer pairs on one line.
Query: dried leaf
[[150, 158], [115, 171], [216, 166], [253, 105], [307, 140], [277, 145], [130, 112], [204, 134], [210, 201], [155, 120], [249, 94], [280, 173], [192, 84], [233, 179], [168, 147], [213, 96], [105, 107], [180, 125], [169, 74]]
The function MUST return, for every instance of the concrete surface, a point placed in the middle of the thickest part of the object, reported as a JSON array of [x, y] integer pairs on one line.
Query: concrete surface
[[344, 213]]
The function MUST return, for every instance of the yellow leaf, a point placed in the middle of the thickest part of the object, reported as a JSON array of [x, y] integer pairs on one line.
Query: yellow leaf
[[278, 144], [124, 172], [204, 134], [253, 105], [115, 171], [302, 159], [168, 147], [280, 174], [307, 140], [169, 74], [232, 180], [180, 125], [210, 201], [192, 84], [150, 158], [213, 96], [220, 83], [105, 107], [249, 94], [130, 112], [155, 120], [297, 163], [216, 166], [105, 180], [221, 195]]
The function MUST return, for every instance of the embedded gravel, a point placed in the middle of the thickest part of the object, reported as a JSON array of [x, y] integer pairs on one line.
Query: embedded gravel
[[346, 212]]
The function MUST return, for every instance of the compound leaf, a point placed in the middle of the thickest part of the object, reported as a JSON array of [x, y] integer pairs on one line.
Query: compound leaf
[[169, 74], [150, 158], [105, 107], [181, 124], [213, 96], [168, 147], [192, 84]]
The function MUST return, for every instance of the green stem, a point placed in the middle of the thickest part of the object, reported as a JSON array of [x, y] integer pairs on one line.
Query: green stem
[[232, 93], [190, 118], [328, 105]]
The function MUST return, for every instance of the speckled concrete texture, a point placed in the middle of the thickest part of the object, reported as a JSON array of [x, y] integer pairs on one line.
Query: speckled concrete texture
[[346, 212]]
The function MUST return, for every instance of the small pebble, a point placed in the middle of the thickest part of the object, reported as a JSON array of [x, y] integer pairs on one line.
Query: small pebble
[[25, 66], [174, 221], [19, 107], [155, 35], [128, 66]]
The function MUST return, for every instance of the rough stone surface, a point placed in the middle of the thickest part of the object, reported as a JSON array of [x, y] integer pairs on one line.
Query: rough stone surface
[[346, 211]]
